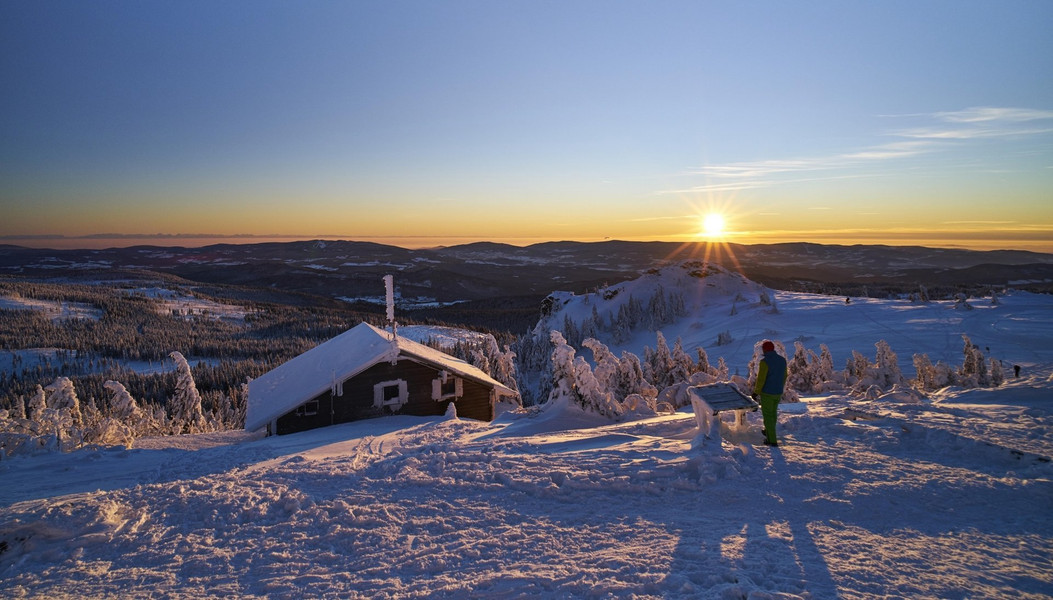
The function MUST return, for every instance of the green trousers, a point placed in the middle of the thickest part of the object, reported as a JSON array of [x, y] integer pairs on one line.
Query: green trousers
[[769, 405]]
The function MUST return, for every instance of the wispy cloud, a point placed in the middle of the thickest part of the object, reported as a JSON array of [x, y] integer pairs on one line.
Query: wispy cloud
[[982, 122], [820, 163], [940, 132], [985, 114], [746, 184]]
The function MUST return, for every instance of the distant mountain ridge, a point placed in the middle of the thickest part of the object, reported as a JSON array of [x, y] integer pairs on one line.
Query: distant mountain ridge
[[487, 270]]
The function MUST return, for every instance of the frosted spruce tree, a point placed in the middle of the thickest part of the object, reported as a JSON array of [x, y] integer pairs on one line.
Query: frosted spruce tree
[[974, 368], [499, 365], [37, 404], [562, 368], [122, 405], [925, 373], [885, 372], [606, 371], [681, 364], [631, 379], [702, 364], [64, 398], [798, 370], [591, 394], [825, 368], [61, 418], [658, 363], [185, 404]]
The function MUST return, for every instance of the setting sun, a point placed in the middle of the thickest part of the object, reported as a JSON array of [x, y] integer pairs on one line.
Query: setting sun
[[713, 225]]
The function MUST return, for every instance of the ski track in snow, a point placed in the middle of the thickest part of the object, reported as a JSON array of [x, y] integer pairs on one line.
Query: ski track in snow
[[948, 499]]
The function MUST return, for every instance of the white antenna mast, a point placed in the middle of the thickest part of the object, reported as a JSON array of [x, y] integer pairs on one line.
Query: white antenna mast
[[389, 288]]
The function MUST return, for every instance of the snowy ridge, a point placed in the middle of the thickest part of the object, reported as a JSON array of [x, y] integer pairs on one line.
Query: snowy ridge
[[726, 314], [697, 285]]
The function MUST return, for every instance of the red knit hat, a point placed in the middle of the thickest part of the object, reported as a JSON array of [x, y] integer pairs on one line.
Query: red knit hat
[[768, 346]]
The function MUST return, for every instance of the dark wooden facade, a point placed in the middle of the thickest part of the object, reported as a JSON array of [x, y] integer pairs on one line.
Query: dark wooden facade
[[359, 397]]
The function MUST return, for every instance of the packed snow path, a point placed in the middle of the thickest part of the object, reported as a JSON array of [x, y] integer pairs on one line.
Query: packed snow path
[[943, 499]]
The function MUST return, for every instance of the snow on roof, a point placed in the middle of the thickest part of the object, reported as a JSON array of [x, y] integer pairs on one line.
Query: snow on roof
[[296, 381]]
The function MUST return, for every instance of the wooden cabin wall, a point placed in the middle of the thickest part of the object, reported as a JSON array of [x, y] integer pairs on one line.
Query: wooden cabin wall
[[357, 400]]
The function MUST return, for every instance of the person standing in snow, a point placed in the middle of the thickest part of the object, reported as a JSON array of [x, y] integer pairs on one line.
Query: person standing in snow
[[771, 377]]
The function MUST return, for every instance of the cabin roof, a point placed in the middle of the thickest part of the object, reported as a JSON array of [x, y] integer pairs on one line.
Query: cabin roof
[[303, 377]]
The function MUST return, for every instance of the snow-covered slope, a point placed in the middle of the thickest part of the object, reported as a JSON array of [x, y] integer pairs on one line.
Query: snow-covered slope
[[946, 498], [717, 301]]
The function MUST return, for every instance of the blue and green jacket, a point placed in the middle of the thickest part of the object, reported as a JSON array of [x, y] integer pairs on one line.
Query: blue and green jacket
[[771, 375]]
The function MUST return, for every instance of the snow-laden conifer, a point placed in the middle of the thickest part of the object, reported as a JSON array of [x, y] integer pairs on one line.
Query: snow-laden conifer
[[122, 404], [885, 372], [798, 373], [659, 363], [562, 368], [997, 375], [702, 364], [631, 379], [722, 369], [606, 370], [591, 395], [974, 368], [185, 403], [37, 404], [64, 397], [681, 364]]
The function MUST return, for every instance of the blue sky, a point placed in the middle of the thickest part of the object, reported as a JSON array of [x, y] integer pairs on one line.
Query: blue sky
[[429, 122]]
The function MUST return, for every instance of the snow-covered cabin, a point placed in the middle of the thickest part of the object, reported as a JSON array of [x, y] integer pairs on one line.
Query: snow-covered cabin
[[367, 372]]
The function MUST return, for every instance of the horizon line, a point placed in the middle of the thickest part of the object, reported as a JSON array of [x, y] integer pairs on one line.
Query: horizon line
[[931, 240]]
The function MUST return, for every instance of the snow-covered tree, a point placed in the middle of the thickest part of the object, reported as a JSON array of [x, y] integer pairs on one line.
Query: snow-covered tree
[[64, 397], [825, 369], [122, 404], [703, 361], [631, 379], [658, 364], [185, 403], [798, 374], [573, 379], [606, 370], [722, 369], [856, 368], [974, 368], [885, 372], [681, 367], [591, 394], [37, 404], [997, 375], [18, 411], [563, 374], [504, 369], [925, 373]]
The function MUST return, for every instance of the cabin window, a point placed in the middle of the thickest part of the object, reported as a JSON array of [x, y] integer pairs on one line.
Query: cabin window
[[307, 409], [391, 394], [446, 387]]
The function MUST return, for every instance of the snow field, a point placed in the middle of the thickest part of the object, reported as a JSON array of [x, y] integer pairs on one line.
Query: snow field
[[946, 499]]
